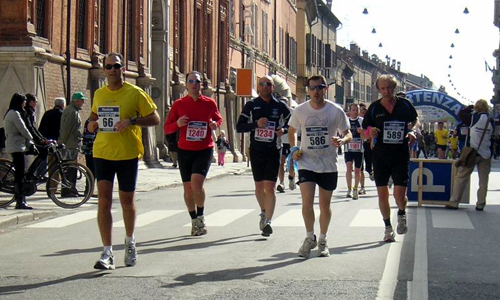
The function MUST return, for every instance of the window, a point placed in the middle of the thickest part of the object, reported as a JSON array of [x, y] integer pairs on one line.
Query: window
[[130, 30], [81, 23], [255, 10], [264, 32], [368, 93], [102, 26], [40, 18]]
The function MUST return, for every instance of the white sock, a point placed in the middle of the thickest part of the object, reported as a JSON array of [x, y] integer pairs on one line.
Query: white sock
[[110, 248], [310, 234], [322, 237], [268, 221]]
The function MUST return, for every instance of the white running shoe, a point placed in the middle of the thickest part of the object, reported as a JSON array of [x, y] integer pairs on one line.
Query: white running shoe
[[362, 191], [402, 228], [372, 177], [106, 262], [262, 221], [291, 183], [202, 228], [280, 188], [323, 250], [130, 254], [307, 246], [355, 194], [389, 235], [349, 195]]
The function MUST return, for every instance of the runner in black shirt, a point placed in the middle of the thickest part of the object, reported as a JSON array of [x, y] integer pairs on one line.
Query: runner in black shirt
[[266, 118], [386, 121]]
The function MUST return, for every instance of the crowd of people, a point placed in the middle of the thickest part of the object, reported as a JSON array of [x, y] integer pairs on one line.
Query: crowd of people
[[377, 139]]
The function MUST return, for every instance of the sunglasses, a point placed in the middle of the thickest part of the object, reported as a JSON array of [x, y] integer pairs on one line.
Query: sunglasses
[[316, 87], [115, 66], [194, 81], [265, 83]]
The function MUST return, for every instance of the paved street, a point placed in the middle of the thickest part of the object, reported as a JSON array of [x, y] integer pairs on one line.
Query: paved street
[[445, 255]]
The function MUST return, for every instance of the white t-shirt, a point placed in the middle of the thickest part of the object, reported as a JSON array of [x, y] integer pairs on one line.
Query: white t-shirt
[[318, 126]]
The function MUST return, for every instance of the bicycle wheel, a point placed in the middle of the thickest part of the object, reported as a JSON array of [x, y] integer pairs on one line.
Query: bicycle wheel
[[6, 182], [70, 184]]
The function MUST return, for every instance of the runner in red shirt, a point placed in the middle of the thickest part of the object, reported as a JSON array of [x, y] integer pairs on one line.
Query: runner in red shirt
[[195, 116]]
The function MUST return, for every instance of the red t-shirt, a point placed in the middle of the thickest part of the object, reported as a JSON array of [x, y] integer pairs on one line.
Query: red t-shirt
[[196, 135]]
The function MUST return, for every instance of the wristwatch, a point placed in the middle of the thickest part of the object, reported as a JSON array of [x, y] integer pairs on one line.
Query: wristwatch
[[133, 120]]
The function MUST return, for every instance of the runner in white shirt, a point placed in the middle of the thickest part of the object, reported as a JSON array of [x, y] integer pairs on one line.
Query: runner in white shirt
[[320, 121]]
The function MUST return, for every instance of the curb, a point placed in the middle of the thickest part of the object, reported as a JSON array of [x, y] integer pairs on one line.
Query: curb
[[25, 217]]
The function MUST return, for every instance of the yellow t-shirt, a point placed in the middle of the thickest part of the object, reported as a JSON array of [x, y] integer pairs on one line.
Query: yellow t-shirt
[[112, 106], [441, 137], [454, 142]]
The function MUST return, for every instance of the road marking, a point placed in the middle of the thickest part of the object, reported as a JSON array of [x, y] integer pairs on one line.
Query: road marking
[[66, 220], [149, 217], [292, 218], [451, 219], [420, 285], [224, 217], [369, 218], [387, 284]]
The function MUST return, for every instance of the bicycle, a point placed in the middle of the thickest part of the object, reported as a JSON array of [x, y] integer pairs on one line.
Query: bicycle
[[69, 184]]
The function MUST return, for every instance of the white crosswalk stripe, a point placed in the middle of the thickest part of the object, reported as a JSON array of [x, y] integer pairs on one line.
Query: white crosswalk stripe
[[66, 220], [288, 218], [224, 217], [292, 218], [149, 217], [370, 218]]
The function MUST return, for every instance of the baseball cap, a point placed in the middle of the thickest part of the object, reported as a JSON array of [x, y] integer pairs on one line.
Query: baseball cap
[[78, 96]]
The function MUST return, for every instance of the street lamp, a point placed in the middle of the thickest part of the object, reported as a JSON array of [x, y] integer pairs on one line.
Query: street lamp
[[466, 11], [365, 11]]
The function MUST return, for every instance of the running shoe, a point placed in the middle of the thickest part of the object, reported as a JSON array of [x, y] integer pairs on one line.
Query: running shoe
[[390, 182], [130, 254], [291, 183], [402, 228], [372, 177], [389, 234], [106, 262], [307, 246], [355, 194], [323, 250], [267, 230], [262, 221], [202, 228], [349, 195], [280, 188], [362, 191]]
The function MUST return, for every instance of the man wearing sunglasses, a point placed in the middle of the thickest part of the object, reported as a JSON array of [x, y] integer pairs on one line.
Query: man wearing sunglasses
[[266, 118], [195, 116], [320, 122], [386, 120], [119, 111]]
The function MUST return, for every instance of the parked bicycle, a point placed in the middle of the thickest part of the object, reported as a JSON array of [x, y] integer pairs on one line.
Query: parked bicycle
[[69, 184]]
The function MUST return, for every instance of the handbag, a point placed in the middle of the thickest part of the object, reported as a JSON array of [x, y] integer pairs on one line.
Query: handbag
[[468, 154]]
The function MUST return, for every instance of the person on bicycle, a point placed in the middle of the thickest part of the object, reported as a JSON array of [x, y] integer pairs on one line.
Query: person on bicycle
[[38, 167], [18, 142]]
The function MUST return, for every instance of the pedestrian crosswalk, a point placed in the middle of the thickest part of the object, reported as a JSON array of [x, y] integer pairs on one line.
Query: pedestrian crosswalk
[[288, 218]]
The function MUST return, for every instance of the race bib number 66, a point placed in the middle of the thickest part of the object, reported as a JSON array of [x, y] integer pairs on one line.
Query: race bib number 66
[[108, 117]]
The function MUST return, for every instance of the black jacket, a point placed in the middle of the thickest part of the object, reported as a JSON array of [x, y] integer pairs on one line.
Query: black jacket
[[50, 123]]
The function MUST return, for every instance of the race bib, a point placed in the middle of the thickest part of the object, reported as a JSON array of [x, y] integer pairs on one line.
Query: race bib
[[266, 133], [355, 145], [464, 130], [196, 131], [394, 132], [108, 117], [316, 137]]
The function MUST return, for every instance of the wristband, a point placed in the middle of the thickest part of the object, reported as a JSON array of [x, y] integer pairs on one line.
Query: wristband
[[294, 149]]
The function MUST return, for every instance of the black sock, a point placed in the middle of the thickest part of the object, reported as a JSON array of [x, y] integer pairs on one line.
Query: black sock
[[401, 212], [199, 210], [387, 222], [193, 214]]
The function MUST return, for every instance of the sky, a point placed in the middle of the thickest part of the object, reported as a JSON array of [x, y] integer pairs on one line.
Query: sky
[[419, 34]]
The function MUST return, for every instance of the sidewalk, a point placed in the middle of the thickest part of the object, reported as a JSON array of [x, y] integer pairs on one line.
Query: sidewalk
[[148, 179]]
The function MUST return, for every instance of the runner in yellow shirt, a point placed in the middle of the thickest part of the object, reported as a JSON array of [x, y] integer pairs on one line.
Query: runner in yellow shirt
[[441, 136]]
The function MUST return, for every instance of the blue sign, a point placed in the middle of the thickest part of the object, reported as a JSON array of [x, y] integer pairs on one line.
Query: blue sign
[[436, 99], [436, 180]]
